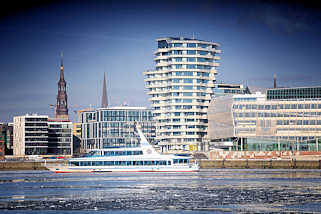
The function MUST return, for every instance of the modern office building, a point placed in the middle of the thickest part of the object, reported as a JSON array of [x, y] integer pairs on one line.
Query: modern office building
[[30, 135], [284, 119], [6, 135], [60, 138], [220, 127], [115, 127], [181, 87], [38, 135]]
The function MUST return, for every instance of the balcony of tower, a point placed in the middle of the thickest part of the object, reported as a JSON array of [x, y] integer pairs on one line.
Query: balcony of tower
[[159, 64], [163, 131], [159, 78], [173, 136], [156, 92], [161, 57], [161, 50]]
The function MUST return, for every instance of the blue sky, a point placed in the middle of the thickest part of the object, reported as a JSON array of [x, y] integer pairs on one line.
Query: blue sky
[[257, 38]]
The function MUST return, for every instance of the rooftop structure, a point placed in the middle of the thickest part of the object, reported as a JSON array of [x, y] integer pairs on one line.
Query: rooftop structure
[[294, 93], [222, 89]]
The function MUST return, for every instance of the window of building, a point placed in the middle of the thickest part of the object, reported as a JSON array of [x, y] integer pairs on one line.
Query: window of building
[[191, 52], [178, 44], [188, 80], [191, 45], [191, 66], [203, 52]]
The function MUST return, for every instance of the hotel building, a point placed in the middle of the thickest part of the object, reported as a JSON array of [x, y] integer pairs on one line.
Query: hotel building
[[115, 127], [181, 88]]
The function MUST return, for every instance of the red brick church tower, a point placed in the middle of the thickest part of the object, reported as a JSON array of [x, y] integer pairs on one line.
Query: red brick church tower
[[62, 105]]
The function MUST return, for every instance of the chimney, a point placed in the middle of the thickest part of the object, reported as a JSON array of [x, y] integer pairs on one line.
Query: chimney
[[274, 80]]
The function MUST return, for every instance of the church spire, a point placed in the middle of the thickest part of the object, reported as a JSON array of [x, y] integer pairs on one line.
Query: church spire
[[62, 66], [62, 105], [104, 101]]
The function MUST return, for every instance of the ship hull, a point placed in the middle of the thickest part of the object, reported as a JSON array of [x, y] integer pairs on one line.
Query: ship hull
[[67, 169]]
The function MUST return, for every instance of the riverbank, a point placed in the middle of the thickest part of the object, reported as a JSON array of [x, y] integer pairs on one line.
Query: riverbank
[[204, 164], [25, 165]]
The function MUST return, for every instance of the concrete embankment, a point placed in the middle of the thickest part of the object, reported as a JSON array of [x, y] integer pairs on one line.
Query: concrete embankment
[[23, 165], [260, 164]]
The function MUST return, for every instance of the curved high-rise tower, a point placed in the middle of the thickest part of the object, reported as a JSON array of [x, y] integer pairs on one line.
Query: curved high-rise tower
[[62, 105], [181, 88]]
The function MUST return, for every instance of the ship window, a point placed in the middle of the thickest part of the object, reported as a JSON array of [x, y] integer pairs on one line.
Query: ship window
[[148, 163], [137, 152], [169, 163], [84, 163], [74, 163], [96, 163], [117, 163], [108, 163], [162, 162]]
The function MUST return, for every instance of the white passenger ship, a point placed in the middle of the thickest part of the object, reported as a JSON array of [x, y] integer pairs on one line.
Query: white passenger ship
[[137, 159]]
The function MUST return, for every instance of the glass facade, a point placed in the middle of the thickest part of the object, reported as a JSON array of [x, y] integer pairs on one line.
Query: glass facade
[[286, 124], [294, 93], [38, 135], [115, 127], [181, 87], [59, 137]]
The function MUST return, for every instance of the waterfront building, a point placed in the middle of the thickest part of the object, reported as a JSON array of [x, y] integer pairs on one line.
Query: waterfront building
[[61, 110], [115, 127], [6, 135], [181, 87], [60, 137], [282, 119], [30, 135], [220, 127], [38, 135]]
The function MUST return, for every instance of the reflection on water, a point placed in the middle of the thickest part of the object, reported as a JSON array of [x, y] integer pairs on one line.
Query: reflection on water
[[218, 191]]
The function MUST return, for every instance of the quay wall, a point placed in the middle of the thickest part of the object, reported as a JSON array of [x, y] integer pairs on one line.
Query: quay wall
[[23, 165], [260, 164], [220, 154]]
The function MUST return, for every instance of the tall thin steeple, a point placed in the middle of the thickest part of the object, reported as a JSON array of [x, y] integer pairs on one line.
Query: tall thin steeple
[[62, 105], [104, 101]]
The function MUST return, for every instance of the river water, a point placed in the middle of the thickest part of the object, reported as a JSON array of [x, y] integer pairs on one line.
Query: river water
[[209, 191]]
